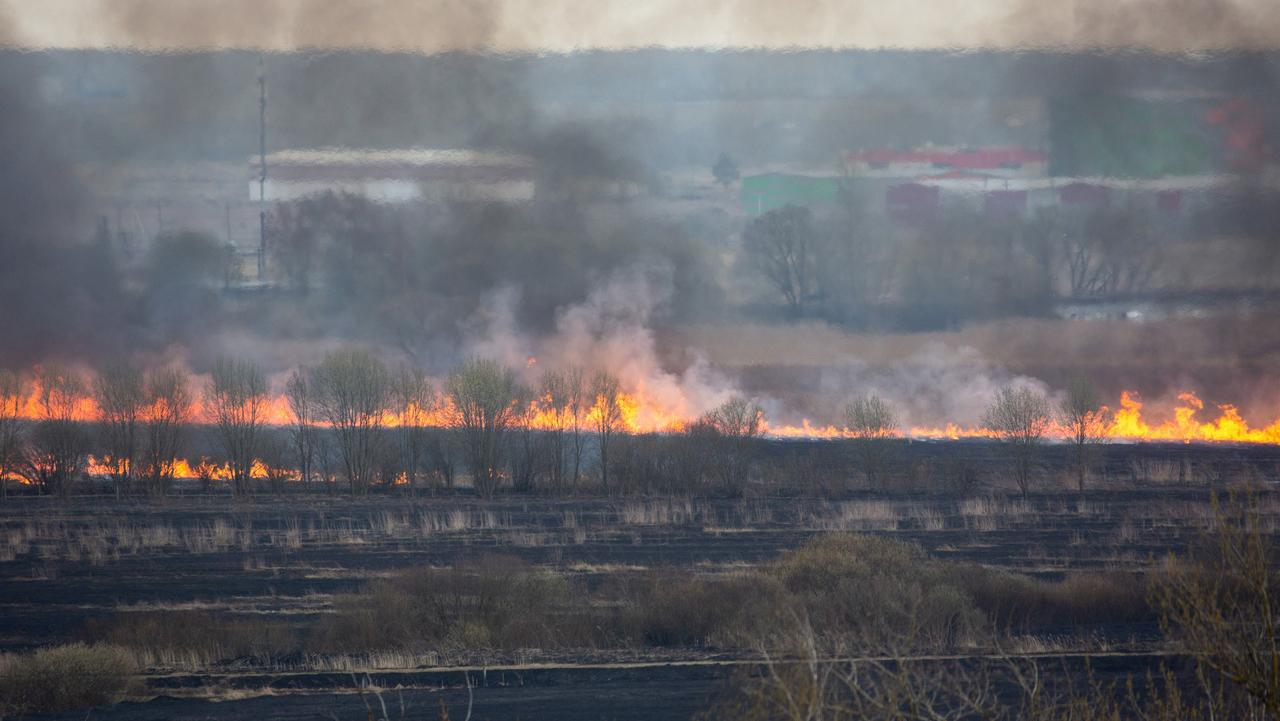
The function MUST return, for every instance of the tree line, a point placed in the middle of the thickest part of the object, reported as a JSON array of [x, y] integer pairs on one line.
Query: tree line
[[353, 420]]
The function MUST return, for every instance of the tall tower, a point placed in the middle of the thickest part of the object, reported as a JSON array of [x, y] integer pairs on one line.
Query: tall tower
[[262, 171]]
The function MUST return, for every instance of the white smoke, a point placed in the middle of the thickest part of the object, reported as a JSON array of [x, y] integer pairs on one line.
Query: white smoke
[[936, 385], [610, 330]]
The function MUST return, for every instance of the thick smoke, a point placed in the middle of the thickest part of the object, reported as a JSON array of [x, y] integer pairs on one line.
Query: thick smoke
[[611, 330], [566, 25], [613, 252]]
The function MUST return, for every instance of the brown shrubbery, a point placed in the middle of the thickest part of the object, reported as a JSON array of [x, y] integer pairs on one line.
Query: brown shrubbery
[[1217, 606], [196, 638], [493, 602], [65, 677], [865, 592]]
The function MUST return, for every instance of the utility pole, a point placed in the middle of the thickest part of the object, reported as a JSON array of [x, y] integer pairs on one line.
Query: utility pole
[[262, 171]]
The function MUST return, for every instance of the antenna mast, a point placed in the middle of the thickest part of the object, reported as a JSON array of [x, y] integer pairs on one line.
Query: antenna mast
[[262, 171]]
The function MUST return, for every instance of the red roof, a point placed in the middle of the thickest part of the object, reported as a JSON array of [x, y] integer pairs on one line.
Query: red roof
[[981, 158]]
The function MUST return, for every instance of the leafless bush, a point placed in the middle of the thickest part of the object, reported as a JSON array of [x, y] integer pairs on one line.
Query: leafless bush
[[871, 424], [1019, 418], [1220, 602], [490, 602], [1081, 414], [65, 677]]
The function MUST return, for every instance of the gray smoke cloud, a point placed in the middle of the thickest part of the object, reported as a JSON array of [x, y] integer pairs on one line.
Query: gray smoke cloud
[[567, 25], [576, 274]]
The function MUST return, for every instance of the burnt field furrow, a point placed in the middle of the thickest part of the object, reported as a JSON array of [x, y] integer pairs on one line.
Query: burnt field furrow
[[69, 565], [305, 605]]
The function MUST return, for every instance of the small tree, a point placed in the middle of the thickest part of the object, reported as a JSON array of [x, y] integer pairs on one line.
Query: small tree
[[606, 416], [527, 459], [303, 433], [736, 423], [871, 426], [1083, 418], [11, 427], [59, 443], [1019, 418], [578, 405], [554, 394], [352, 390], [119, 393], [412, 397], [165, 416], [725, 171], [485, 399], [237, 401]]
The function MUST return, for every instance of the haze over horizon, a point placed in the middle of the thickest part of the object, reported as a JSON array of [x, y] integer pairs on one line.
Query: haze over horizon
[[509, 26]]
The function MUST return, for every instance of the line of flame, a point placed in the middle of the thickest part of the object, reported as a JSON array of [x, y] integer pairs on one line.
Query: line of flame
[[643, 415]]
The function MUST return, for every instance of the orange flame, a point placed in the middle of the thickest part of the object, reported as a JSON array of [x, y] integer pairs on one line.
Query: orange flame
[[641, 413]]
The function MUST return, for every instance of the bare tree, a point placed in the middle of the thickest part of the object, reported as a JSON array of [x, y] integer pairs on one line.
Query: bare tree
[[119, 393], [1082, 416], [1112, 251], [59, 443], [12, 394], [780, 245], [303, 432], [165, 416], [578, 404], [485, 399], [871, 426], [412, 397], [352, 390], [1019, 418], [606, 416], [237, 401], [441, 456], [736, 423], [274, 452], [528, 457], [555, 396]]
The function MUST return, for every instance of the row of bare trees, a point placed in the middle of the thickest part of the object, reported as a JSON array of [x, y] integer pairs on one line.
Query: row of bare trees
[[948, 265], [143, 417], [491, 414], [353, 417], [1018, 417]]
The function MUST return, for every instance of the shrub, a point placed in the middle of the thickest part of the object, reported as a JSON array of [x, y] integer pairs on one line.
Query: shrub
[[65, 677], [874, 592], [490, 602], [688, 610], [193, 638]]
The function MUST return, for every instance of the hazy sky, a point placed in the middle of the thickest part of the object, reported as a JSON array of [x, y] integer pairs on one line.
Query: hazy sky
[[563, 25]]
